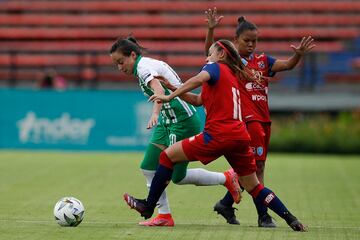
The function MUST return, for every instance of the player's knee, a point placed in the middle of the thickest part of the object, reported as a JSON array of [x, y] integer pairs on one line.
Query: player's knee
[[165, 160], [249, 182], [151, 157], [176, 178]]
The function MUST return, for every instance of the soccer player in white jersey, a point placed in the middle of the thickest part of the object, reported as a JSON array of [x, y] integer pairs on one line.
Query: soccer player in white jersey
[[173, 121]]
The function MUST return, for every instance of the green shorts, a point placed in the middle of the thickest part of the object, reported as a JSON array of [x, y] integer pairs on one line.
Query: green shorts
[[168, 135]]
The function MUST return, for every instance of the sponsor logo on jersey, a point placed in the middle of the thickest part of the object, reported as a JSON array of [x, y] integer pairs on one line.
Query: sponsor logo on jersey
[[269, 198], [257, 97], [251, 86], [260, 151]]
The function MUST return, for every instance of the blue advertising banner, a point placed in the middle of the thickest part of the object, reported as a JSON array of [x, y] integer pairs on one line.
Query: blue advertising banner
[[79, 120], [74, 119]]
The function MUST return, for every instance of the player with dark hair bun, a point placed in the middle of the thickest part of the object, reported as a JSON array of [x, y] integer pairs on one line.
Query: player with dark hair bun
[[224, 134], [254, 99]]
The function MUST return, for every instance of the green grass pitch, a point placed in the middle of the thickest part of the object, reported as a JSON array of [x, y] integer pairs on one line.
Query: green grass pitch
[[321, 190]]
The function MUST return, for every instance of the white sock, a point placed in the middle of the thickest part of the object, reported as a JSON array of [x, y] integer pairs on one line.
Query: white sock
[[202, 177], [163, 203]]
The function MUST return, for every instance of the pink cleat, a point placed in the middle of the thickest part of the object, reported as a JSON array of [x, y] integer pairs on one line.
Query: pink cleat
[[232, 184], [161, 220]]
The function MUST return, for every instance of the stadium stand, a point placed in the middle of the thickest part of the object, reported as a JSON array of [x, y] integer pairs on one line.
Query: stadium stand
[[74, 36]]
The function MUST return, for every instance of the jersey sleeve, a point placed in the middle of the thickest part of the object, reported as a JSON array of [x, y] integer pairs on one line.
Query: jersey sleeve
[[271, 62], [214, 71], [146, 74]]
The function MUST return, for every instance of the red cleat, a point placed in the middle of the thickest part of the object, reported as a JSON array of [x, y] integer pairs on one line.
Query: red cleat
[[232, 184], [161, 220]]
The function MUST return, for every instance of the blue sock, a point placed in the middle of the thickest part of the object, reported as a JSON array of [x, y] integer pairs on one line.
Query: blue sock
[[227, 200], [267, 198], [159, 183], [260, 208]]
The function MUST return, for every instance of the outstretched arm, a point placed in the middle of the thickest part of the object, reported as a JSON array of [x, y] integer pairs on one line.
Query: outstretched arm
[[212, 20], [189, 85], [307, 43], [192, 98]]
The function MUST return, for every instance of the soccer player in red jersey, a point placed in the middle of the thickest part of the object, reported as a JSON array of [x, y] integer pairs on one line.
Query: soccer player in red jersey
[[254, 99], [224, 134], [173, 121]]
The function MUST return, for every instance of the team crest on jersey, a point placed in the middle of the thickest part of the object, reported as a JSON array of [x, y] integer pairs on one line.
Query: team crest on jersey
[[261, 64], [259, 151]]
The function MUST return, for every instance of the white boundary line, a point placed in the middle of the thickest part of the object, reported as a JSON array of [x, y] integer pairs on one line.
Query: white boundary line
[[184, 224]]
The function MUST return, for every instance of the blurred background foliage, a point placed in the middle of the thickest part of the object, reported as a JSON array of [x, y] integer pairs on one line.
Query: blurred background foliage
[[316, 133]]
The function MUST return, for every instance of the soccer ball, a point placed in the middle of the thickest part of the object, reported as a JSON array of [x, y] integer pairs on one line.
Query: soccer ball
[[69, 212]]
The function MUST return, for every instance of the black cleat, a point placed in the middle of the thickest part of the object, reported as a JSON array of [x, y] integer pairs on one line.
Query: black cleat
[[298, 226], [140, 205], [227, 212], [294, 223], [266, 221]]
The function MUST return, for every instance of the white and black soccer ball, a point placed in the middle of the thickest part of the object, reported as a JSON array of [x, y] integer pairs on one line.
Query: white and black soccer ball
[[69, 212]]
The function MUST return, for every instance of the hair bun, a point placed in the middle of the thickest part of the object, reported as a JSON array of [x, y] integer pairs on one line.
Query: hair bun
[[241, 19], [132, 39]]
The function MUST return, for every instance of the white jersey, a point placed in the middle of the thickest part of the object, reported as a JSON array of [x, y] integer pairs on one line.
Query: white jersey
[[146, 69]]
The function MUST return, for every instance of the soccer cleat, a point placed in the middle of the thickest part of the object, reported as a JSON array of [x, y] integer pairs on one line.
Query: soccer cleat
[[161, 220], [227, 212], [294, 223], [232, 184], [298, 226], [140, 205], [266, 221]]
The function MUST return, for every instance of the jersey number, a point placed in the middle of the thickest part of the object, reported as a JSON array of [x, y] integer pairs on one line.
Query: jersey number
[[236, 102]]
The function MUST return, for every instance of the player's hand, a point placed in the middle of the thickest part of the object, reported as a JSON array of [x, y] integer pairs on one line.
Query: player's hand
[[159, 98], [306, 44], [166, 83], [212, 18], [153, 121]]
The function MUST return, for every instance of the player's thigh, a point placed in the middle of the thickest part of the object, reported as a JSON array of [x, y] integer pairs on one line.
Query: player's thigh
[[177, 132], [259, 139], [202, 148], [240, 157], [160, 136], [184, 129], [159, 141], [177, 156]]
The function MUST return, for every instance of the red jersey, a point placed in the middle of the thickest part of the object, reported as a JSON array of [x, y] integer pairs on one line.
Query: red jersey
[[221, 99], [254, 96]]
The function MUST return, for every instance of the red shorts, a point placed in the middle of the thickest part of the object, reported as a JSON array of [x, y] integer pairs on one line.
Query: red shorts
[[237, 152], [260, 138]]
